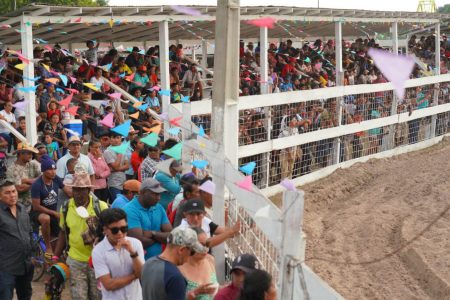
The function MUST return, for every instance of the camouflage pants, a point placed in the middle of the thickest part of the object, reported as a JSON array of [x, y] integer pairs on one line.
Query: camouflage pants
[[83, 285]]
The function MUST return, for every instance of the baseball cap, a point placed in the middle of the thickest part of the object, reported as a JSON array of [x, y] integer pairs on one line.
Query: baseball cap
[[47, 163], [186, 237], [132, 185], [151, 184], [176, 165], [244, 262], [194, 205], [74, 139]]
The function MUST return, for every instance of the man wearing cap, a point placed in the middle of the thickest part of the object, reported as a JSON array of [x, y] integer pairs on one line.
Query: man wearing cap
[[44, 199], [23, 173], [74, 152], [147, 219], [242, 265], [170, 181], [161, 278], [130, 190], [118, 163], [195, 216]]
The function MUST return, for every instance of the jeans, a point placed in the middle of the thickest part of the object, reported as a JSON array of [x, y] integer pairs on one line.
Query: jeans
[[113, 193], [21, 283]]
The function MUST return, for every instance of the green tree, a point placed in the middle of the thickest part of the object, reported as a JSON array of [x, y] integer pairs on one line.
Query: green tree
[[444, 9], [7, 6]]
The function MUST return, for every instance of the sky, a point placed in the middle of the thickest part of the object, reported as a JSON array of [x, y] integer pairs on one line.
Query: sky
[[385, 5]]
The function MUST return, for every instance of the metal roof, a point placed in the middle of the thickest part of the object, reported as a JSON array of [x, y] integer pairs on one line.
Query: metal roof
[[62, 24]]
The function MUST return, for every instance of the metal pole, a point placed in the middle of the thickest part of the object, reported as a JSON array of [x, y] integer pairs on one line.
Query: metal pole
[[224, 117], [28, 71], [264, 75], [164, 65], [204, 54]]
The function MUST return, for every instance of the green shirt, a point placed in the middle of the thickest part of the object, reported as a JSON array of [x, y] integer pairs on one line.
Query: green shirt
[[78, 250]]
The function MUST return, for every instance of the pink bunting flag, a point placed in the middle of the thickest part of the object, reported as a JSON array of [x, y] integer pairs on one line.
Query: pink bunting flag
[[115, 95], [74, 91], [48, 48], [263, 22], [186, 10], [23, 58], [65, 102], [176, 121], [54, 72], [396, 68], [129, 77], [149, 23], [73, 79], [246, 184], [72, 110], [78, 20], [20, 105], [164, 116], [108, 120], [208, 187], [288, 184], [4, 26], [156, 88]]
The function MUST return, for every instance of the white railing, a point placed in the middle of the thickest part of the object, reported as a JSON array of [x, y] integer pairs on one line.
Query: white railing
[[336, 143]]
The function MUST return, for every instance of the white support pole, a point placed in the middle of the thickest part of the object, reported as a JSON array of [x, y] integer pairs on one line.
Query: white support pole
[[164, 69], [394, 31], [204, 54], [437, 65], [264, 70], [263, 58], [293, 243], [28, 71], [225, 113], [187, 129], [194, 54], [339, 82]]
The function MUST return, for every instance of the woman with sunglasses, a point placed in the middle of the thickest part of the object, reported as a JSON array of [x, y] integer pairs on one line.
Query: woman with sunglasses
[[118, 259]]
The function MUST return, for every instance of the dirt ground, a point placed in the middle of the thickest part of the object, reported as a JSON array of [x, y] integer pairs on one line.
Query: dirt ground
[[358, 221]]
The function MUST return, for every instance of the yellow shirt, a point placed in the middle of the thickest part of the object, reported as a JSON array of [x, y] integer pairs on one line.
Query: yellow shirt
[[78, 250], [125, 68]]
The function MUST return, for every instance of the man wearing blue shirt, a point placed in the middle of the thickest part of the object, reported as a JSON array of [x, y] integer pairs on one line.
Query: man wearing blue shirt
[[147, 219], [130, 190]]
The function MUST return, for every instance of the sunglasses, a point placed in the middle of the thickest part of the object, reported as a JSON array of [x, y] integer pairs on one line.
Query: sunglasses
[[115, 230]]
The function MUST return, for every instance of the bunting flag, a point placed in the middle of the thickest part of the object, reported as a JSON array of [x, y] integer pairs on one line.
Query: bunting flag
[[208, 187], [65, 102], [52, 80], [122, 129], [115, 95], [185, 99], [135, 115], [176, 121], [20, 105], [73, 91], [248, 168], [288, 184], [72, 110], [201, 131], [186, 10], [20, 66], [28, 89], [108, 120], [91, 86], [175, 151], [263, 22], [122, 149], [174, 131], [246, 183], [200, 164], [164, 92], [151, 139], [64, 79]]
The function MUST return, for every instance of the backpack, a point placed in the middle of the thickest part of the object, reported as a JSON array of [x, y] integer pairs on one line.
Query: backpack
[[65, 209]]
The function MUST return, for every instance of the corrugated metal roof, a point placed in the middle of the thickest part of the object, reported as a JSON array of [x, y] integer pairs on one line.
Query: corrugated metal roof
[[61, 24]]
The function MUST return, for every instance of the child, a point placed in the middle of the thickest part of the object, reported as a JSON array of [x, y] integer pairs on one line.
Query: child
[[62, 196], [52, 147]]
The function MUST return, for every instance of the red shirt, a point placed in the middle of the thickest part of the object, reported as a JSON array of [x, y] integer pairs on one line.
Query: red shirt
[[136, 160], [230, 292]]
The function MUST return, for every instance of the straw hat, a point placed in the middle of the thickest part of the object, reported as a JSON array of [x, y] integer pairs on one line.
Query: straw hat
[[24, 147]]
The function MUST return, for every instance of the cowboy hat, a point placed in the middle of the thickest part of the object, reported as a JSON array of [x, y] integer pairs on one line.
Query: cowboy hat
[[24, 147]]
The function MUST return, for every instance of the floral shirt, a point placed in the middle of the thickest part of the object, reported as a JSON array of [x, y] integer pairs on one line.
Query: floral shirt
[[16, 173]]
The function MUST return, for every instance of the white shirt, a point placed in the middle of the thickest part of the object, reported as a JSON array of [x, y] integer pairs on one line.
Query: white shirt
[[205, 225], [97, 82], [117, 263], [10, 118], [61, 167]]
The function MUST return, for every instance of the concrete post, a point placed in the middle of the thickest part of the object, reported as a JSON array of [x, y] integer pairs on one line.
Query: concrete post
[[28, 71], [437, 72], [339, 82], [394, 31], [204, 62], [224, 117], [164, 69]]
